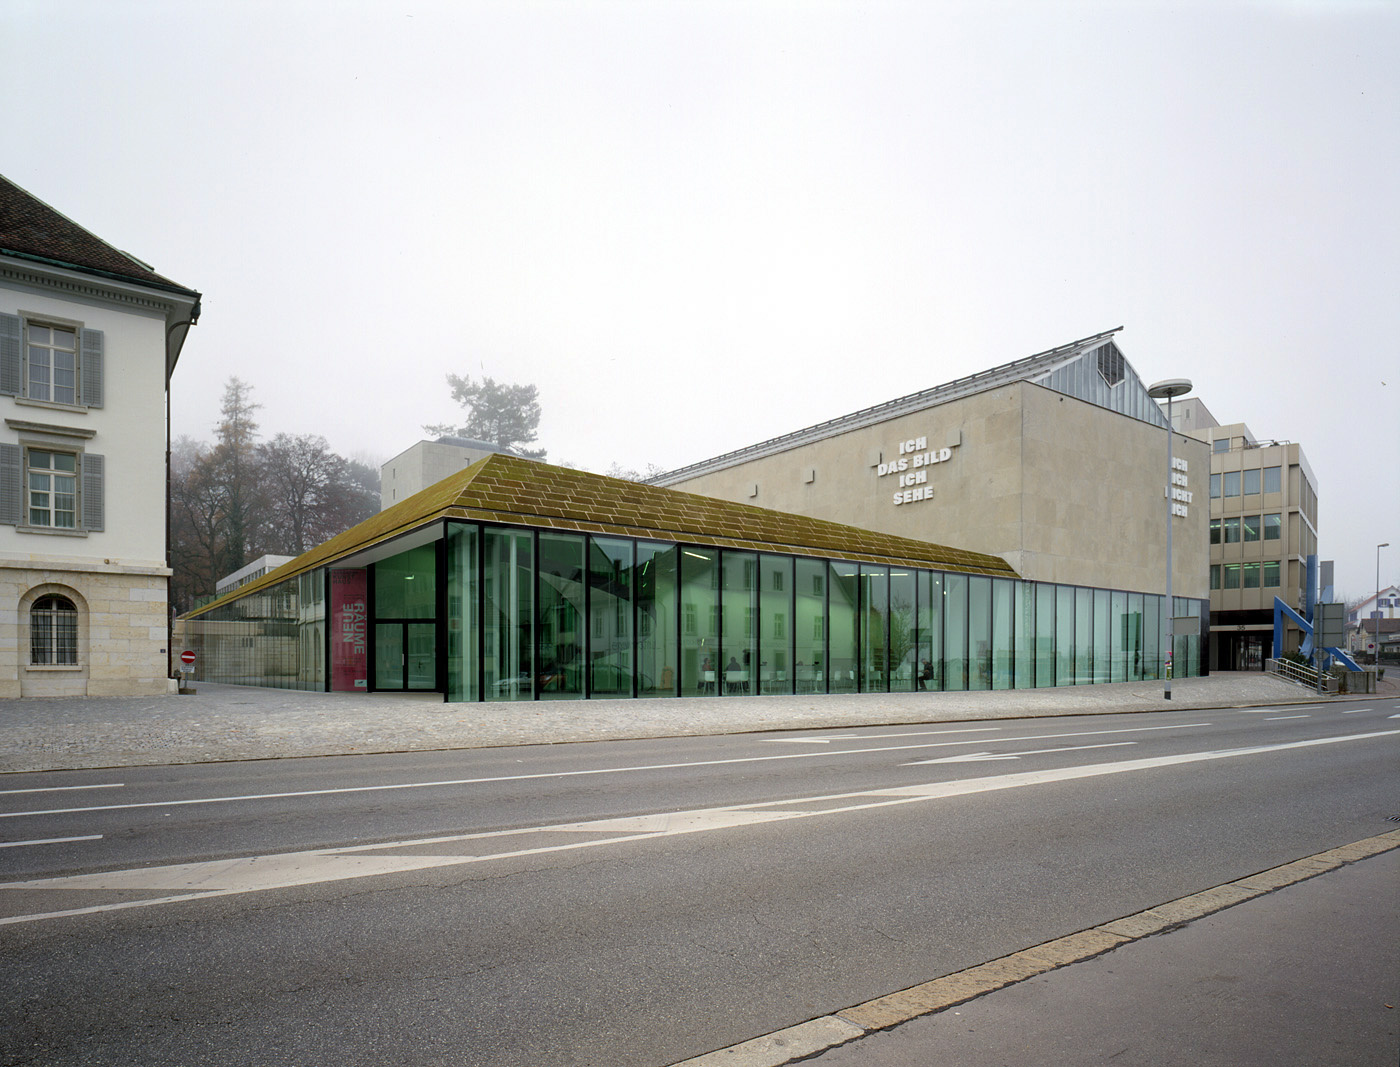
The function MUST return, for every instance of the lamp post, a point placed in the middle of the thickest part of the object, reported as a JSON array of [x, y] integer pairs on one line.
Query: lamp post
[[1168, 390], [1384, 544]]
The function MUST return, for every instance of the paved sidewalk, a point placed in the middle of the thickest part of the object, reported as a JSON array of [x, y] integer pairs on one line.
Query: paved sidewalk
[[227, 722], [1307, 976]]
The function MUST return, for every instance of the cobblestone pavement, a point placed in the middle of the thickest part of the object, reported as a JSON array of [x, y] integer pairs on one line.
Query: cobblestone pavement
[[229, 722]]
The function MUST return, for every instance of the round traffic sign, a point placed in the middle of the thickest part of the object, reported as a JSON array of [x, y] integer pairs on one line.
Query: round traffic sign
[[187, 656]]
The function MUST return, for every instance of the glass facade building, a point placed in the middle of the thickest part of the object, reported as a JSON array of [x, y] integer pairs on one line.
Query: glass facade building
[[488, 610]]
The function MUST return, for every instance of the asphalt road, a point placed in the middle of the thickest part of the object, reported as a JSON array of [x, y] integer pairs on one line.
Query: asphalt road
[[624, 903]]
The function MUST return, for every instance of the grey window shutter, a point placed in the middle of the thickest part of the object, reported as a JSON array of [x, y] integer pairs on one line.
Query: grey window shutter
[[11, 485], [93, 511], [91, 344], [11, 347]]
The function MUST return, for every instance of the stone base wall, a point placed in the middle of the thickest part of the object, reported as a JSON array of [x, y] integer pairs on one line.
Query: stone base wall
[[121, 631]]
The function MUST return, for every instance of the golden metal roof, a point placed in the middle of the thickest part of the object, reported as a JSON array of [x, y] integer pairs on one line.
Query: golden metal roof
[[522, 492]]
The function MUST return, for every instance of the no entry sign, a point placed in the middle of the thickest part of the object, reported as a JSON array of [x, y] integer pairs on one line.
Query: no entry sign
[[187, 656]]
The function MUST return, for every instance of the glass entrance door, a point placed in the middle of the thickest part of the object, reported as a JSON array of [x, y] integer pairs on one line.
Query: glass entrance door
[[405, 656]]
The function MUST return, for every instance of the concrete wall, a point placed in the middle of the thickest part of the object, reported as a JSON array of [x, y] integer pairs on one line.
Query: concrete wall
[[1064, 490]]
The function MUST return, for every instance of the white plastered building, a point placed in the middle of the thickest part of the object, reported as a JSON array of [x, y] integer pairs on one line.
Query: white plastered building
[[89, 337]]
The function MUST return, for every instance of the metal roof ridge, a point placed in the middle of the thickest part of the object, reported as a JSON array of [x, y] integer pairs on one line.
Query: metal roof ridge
[[1014, 371]]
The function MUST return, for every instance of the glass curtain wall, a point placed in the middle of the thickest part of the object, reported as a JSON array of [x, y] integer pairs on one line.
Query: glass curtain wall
[[979, 632], [508, 585], [843, 629], [809, 625], [739, 599], [700, 660], [874, 627], [904, 664], [657, 648], [561, 615], [610, 596], [463, 624], [955, 674], [775, 617], [544, 614], [930, 629], [1003, 631]]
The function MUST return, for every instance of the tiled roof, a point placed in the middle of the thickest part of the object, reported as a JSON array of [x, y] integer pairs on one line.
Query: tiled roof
[[29, 227], [522, 492]]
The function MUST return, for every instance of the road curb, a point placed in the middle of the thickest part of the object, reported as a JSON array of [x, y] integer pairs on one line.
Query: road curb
[[851, 1024]]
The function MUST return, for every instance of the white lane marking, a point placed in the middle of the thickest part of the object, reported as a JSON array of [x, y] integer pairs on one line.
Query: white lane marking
[[1355, 711], [256, 873], [62, 788], [573, 774], [50, 841], [1281, 718], [883, 737], [973, 757]]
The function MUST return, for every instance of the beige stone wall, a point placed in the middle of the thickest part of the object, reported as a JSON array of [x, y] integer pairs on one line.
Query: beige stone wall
[[121, 631], [1064, 490]]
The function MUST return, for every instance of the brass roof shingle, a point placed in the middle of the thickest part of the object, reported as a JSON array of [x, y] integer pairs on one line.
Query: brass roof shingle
[[522, 492]]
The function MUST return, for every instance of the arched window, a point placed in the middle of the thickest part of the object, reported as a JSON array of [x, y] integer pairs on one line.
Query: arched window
[[53, 632]]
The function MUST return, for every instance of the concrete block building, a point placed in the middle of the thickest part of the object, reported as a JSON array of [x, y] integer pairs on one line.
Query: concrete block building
[[89, 337]]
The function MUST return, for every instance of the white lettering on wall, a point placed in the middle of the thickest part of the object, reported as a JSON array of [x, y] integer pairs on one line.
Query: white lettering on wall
[[1178, 497], [911, 467]]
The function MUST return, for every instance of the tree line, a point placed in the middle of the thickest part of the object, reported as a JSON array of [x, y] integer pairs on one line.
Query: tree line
[[238, 498]]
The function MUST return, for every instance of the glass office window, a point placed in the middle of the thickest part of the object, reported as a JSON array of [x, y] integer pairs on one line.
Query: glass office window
[[1215, 575], [508, 582], [1215, 531], [1232, 575], [1120, 637], [1023, 629], [1102, 628], [904, 666], [610, 595], [809, 619], [930, 630], [1251, 527], [1251, 482], [1273, 527], [1272, 578], [1083, 636], [979, 632], [874, 627], [655, 591], [775, 624], [1064, 635], [561, 616], [1230, 529], [1232, 483], [463, 624], [955, 665], [1215, 487], [1250, 575], [1221, 444], [1273, 479], [1003, 630], [740, 619], [701, 665]]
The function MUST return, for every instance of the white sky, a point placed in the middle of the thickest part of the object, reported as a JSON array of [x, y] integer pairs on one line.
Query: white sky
[[696, 226]]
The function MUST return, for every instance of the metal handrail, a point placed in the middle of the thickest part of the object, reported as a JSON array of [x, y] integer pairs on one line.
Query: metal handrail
[[1295, 673]]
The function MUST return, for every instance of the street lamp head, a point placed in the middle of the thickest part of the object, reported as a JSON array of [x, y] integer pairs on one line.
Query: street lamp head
[[1168, 388]]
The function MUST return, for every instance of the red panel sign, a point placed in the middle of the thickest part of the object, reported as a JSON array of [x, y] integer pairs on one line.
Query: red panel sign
[[187, 656], [349, 631]]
